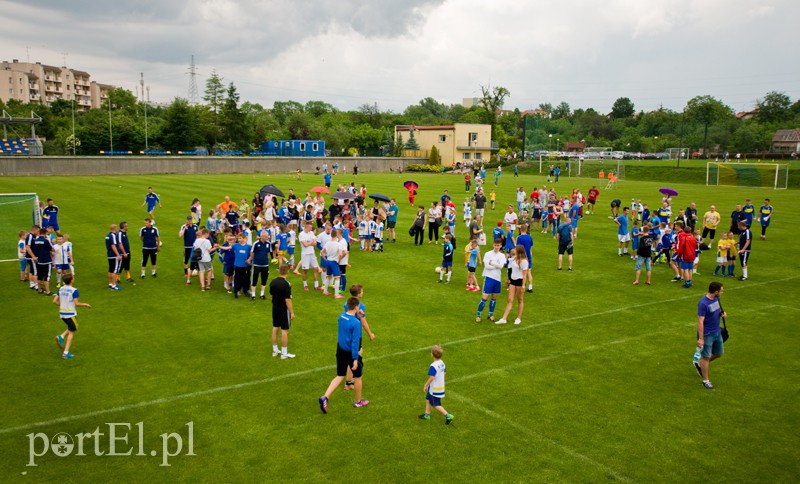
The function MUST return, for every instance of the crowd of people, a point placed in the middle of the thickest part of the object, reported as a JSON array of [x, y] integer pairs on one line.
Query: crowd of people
[[244, 240]]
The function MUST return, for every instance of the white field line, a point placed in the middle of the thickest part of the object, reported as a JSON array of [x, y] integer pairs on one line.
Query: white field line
[[538, 436], [182, 396]]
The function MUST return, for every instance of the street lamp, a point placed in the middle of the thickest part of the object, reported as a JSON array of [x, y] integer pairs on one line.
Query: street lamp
[[551, 141]]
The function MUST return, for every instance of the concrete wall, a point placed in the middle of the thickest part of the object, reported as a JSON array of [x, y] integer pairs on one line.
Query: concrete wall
[[142, 165]]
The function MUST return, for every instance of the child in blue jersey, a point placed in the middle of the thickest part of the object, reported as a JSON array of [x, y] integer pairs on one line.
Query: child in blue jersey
[[434, 387], [228, 257], [510, 242], [282, 243], [67, 301], [363, 231], [447, 259], [471, 260]]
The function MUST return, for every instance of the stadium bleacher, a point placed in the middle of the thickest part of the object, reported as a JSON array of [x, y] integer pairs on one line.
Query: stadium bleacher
[[15, 146]]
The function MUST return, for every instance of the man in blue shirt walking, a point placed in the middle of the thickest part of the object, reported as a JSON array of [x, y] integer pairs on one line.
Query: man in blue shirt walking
[[709, 334], [348, 343]]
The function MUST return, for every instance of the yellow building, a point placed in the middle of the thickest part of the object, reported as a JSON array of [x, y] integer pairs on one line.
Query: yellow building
[[457, 143]]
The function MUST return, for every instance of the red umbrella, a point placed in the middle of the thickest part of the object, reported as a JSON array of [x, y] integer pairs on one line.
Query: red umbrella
[[411, 185], [319, 190]]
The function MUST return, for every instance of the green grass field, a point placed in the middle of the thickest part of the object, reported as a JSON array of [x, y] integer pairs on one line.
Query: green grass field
[[596, 383]]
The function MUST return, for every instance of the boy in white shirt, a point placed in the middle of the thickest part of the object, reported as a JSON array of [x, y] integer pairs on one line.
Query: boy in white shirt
[[434, 387]]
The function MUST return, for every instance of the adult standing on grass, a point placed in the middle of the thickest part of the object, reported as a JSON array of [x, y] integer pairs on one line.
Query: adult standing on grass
[[50, 216], [44, 252], [526, 241], [347, 347], [480, 205], [114, 256], [418, 227], [391, 220], [493, 263], [709, 335], [737, 216], [67, 301], [517, 264], [30, 257], [691, 215], [151, 199], [434, 221], [711, 220], [566, 240], [259, 258], [125, 244], [745, 241], [189, 233], [282, 312], [151, 245]]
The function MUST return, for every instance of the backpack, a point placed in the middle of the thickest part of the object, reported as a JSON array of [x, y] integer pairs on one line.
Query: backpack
[[197, 254]]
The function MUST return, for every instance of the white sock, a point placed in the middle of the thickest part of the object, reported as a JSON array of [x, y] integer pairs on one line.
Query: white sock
[[305, 283], [262, 290], [275, 348], [316, 284], [284, 350], [744, 272], [448, 276]]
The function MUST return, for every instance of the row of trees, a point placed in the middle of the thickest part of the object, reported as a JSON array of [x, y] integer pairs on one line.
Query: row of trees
[[224, 123]]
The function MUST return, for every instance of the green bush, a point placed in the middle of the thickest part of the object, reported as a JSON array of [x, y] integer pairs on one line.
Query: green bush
[[424, 168]]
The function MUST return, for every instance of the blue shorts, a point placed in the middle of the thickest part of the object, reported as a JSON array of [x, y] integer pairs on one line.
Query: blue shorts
[[332, 268], [23, 263], [712, 346], [62, 267], [642, 261], [290, 250], [492, 286], [687, 265], [434, 401], [447, 263]]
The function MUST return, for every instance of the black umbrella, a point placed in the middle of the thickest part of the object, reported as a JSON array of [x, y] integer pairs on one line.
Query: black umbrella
[[378, 196], [271, 190], [343, 196]]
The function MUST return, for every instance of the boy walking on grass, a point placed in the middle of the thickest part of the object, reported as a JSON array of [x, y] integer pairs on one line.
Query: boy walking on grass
[[434, 387], [67, 300]]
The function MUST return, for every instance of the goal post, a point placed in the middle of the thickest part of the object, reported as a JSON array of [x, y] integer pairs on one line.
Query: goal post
[[759, 175], [678, 153], [18, 211]]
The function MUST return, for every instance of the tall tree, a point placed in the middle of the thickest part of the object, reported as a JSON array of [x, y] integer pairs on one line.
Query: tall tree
[[412, 144], [706, 110], [562, 110], [622, 108], [775, 107], [493, 99], [215, 92], [233, 120], [546, 107], [181, 127]]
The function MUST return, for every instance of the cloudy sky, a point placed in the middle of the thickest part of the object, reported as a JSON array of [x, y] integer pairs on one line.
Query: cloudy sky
[[394, 53]]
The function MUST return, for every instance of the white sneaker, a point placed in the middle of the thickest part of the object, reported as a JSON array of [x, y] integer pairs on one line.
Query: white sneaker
[[286, 356], [275, 353], [517, 321], [500, 321]]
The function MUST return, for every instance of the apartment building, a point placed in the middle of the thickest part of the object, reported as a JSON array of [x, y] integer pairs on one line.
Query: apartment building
[[36, 82]]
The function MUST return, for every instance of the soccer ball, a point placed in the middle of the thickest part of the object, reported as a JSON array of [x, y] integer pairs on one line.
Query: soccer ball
[[194, 272], [438, 269]]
